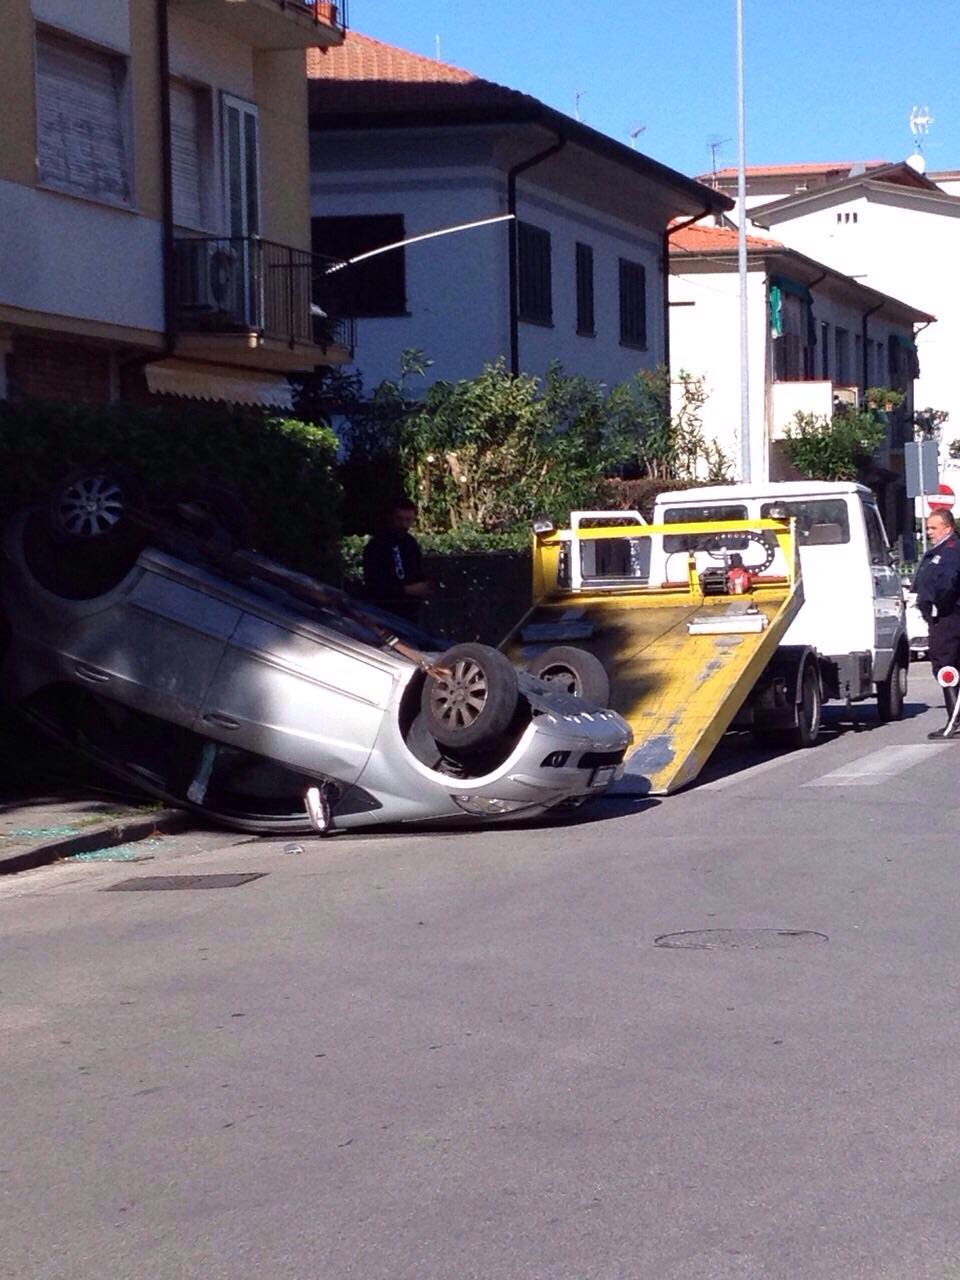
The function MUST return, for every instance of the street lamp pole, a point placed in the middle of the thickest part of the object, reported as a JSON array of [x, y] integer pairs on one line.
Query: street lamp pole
[[745, 469]]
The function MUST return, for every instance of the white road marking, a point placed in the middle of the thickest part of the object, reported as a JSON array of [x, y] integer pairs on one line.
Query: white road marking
[[878, 767], [745, 775]]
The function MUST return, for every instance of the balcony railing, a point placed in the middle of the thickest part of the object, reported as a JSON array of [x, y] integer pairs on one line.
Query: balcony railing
[[335, 14], [243, 284]]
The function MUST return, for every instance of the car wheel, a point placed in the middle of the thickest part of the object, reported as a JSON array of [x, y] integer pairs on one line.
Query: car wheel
[[892, 692], [575, 671], [81, 542], [475, 702]]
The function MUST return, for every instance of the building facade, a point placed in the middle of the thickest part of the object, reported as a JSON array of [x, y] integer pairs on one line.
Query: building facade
[[154, 212], [403, 145], [817, 339]]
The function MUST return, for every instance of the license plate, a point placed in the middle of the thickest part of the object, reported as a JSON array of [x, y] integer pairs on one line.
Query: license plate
[[603, 776]]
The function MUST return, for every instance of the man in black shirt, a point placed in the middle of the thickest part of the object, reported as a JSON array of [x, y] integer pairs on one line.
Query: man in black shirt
[[393, 565], [937, 584]]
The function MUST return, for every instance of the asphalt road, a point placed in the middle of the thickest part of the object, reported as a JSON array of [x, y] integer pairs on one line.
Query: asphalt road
[[455, 1056]]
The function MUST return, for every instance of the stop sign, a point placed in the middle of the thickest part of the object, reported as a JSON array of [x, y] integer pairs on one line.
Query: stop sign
[[944, 498]]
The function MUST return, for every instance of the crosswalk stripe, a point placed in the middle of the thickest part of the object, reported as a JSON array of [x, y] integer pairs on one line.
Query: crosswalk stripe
[[878, 767], [746, 775]]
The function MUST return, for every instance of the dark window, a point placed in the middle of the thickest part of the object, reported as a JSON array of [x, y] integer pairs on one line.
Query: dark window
[[703, 542], [821, 522], [633, 305], [535, 302], [841, 363], [585, 289], [793, 357], [825, 351], [376, 287]]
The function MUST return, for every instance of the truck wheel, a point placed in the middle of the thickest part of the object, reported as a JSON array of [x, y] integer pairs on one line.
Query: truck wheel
[[807, 729], [575, 671], [892, 692], [476, 702]]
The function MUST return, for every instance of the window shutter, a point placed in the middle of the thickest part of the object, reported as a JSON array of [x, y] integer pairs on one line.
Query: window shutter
[[185, 155], [81, 146]]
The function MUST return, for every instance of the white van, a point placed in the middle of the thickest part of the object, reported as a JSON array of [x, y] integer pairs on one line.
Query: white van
[[849, 640]]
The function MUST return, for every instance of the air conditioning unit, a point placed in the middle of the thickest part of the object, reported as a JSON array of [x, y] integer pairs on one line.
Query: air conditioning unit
[[847, 395]]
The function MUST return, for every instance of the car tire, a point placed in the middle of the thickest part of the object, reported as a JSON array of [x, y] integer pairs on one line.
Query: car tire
[[575, 671], [91, 505], [476, 703], [81, 542], [892, 692]]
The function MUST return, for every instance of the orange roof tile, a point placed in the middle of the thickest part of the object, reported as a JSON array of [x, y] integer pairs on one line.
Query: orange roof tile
[[793, 170], [703, 238], [363, 74]]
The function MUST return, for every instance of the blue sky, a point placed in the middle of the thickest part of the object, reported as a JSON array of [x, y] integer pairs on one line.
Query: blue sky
[[825, 79]]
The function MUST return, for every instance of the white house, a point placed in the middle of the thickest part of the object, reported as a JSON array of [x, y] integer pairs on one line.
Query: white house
[[815, 337], [402, 145], [890, 226]]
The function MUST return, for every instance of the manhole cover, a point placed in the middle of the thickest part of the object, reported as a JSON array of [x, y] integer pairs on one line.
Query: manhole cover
[[186, 882], [740, 939]]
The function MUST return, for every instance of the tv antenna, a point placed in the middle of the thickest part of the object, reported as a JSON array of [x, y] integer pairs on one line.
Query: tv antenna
[[634, 133], [920, 122], [715, 142], [576, 102]]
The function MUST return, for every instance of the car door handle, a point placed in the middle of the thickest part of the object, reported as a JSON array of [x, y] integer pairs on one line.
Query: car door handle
[[93, 674], [221, 721]]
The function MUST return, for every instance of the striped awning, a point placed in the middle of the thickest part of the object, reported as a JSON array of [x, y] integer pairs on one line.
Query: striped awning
[[219, 382]]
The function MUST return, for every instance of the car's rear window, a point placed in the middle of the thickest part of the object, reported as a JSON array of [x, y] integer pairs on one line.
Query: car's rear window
[[697, 542], [821, 522]]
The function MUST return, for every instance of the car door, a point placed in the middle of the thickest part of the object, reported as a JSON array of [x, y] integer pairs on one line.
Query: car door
[[888, 607], [300, 695]]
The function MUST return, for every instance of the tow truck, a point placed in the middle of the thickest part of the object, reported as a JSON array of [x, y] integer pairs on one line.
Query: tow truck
[[699, 619]]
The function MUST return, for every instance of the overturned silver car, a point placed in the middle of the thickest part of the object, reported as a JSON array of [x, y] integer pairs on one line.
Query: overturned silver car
[[220, 681]]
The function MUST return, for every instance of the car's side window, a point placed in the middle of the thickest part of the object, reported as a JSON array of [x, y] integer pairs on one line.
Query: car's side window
[[876, 542]]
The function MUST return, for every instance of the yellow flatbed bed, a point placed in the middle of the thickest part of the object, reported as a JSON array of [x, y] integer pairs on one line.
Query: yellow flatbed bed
[[681, 663]]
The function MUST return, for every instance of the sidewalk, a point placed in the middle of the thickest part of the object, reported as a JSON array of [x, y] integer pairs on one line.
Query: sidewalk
[[54, 806]]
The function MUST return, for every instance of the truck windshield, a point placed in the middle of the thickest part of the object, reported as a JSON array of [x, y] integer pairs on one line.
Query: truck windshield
[[821, 522], [699, 542]]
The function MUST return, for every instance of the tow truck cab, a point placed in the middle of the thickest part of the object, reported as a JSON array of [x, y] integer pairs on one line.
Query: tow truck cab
[[852, 618]]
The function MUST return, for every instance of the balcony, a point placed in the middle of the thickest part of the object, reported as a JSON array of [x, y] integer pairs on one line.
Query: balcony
[[272, 24], [271, 306]]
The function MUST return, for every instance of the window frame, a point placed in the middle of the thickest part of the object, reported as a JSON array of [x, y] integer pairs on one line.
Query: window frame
[[586, 296], [534, 275], [373, 290], [122, 62], [634, 337]]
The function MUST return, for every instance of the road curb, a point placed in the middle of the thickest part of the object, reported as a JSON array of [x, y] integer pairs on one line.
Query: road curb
[[106, 836]]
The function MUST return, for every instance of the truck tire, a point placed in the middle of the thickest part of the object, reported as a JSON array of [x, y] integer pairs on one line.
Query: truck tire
[[807, 729], [476, 703], [892, 692], [575, 671]]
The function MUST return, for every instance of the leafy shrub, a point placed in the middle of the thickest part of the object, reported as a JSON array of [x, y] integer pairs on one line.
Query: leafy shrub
[[283, 469], [836, 448]]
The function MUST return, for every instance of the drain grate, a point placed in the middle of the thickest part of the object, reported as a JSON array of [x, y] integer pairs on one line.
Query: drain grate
[[231, 881], [740, 939]]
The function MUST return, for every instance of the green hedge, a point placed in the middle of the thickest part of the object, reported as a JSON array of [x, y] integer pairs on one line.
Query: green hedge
[[283, 469]]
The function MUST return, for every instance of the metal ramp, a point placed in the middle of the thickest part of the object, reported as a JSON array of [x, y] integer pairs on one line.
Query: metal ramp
[[681, 664]]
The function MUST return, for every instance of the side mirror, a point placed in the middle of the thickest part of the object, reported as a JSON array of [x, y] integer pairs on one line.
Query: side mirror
[[541, 525], [777, 511]]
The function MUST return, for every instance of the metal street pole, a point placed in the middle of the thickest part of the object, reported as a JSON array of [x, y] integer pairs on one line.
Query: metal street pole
[[745, 469]]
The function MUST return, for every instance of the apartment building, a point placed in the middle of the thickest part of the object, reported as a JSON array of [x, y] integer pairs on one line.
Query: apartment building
[[817, 338], [154, 200]]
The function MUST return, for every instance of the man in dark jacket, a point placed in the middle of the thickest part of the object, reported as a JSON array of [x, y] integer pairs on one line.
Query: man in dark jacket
[[393, 565], [937, 584]]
